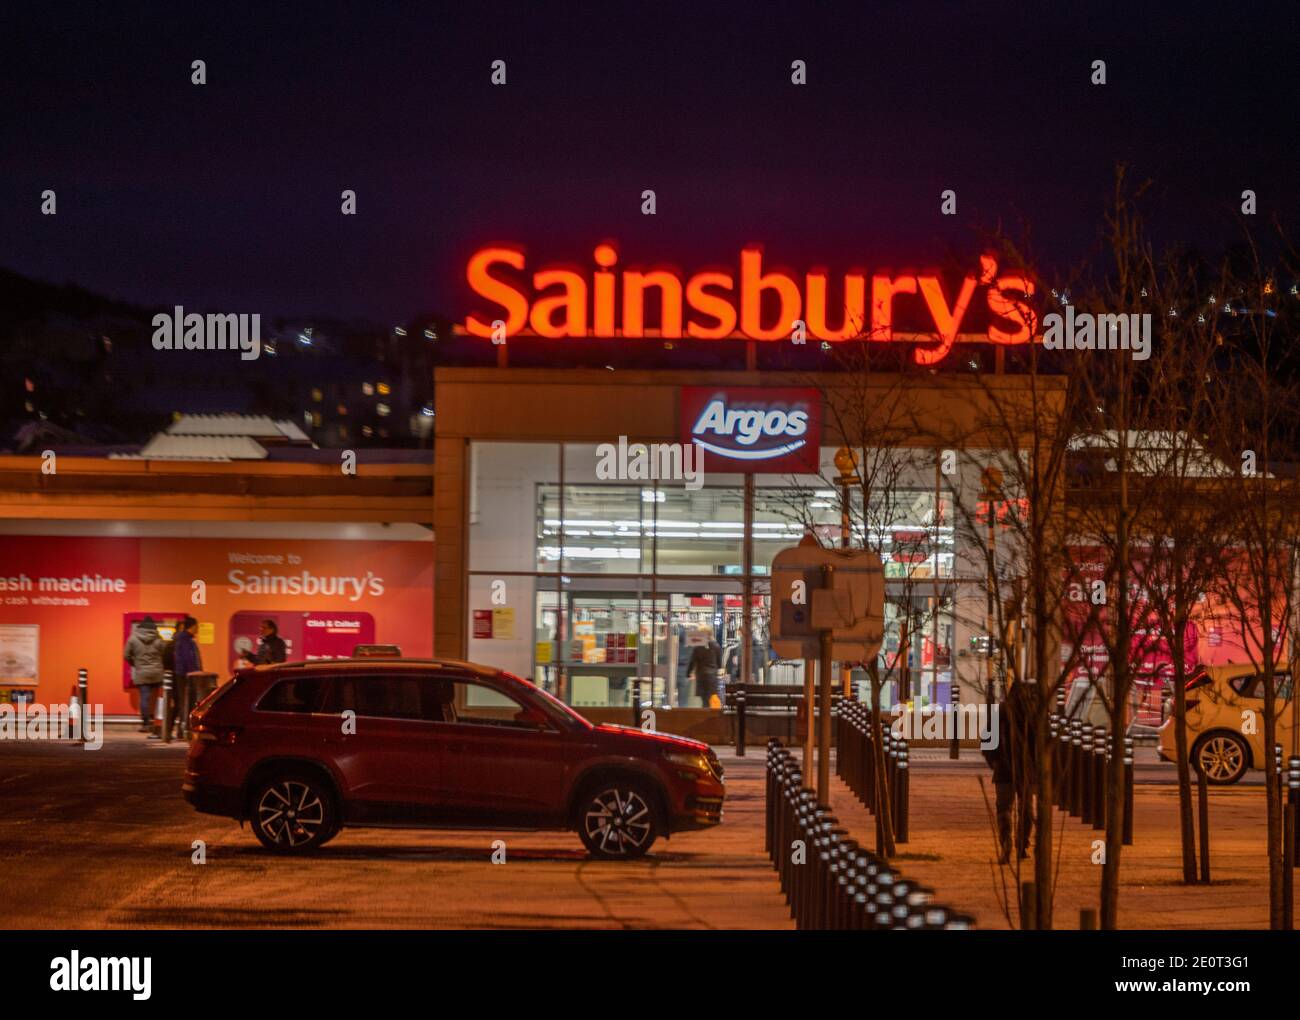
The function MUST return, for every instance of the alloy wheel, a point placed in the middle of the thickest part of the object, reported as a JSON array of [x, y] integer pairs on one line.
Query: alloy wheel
[[290, 813], [618, 822], [1221, 758]]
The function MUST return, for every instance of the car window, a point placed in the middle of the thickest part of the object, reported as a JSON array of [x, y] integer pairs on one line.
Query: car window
[[480, 705], [302, 694], [387, 697], [1252, 685], [1247, 686]]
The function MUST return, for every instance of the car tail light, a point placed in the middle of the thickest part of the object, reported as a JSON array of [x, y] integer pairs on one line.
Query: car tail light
[[217, 734]]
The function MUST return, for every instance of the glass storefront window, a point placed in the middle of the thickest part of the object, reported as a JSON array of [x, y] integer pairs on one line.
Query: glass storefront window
[[613, 582]]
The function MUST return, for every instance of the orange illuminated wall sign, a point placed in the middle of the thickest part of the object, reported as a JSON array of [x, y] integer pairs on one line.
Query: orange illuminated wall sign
[[750, 302]]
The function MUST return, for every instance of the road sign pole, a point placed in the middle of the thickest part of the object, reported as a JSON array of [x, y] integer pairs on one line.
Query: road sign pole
[[809, 697], [824, 703]]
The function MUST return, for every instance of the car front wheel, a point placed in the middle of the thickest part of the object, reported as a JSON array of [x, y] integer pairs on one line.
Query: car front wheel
[[293, 813], [1223, 757], [617, 820]]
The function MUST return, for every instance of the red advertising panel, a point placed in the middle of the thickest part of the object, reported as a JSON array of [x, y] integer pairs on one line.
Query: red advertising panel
[[753, 429], [68, 603]]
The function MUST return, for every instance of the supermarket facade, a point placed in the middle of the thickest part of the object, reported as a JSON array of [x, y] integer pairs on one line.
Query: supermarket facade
[[608, 485]]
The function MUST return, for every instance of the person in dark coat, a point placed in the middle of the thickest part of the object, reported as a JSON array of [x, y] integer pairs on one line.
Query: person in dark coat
[[706, 660], [1015, 769], [271, 647], [186, 658]]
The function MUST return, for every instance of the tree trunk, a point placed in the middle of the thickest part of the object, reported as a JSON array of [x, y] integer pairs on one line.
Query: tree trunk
[[884, 819]]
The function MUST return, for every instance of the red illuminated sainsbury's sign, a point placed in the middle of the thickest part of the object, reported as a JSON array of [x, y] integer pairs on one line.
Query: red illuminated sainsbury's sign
[[748, 302], [749, 429]]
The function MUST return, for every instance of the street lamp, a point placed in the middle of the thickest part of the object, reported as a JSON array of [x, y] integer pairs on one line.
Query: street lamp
[[991, 482], [846, 462]]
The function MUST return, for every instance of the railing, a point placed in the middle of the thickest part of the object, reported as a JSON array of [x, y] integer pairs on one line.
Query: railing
[[1080, 758], [829, 881], [853, 762]]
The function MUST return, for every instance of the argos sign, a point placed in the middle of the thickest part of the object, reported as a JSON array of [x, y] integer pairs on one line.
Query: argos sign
[[749, 302], [753, 429]]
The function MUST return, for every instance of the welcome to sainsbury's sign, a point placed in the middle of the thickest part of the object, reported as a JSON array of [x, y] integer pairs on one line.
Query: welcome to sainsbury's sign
[[749, 302]]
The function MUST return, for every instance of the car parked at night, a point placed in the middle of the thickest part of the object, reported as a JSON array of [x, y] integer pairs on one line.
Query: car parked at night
[[1225, 721], [303, 750]]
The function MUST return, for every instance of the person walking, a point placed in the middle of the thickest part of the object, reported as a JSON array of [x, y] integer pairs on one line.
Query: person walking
[[144, 654], [705, 662], [1015, 768], [271, 648]]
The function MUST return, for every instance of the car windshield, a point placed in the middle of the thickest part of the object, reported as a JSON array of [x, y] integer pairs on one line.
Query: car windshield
[[551, 703]]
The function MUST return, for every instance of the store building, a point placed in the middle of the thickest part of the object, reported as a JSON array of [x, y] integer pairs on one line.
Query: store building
[[228, 519], [550, 568]]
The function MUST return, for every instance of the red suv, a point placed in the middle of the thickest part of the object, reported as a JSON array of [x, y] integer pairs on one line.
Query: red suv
[[301, 750]]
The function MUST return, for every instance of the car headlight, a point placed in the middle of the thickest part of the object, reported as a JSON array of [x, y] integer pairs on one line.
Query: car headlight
[[687, 760]]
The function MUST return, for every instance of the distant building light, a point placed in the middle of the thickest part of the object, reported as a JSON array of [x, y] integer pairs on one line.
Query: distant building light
[[427, 411], [399, 331], [343, 409], [384, 389], [383, 410], [368, 389], [430, 334], [316, 394], [652, 496], [367, 431]]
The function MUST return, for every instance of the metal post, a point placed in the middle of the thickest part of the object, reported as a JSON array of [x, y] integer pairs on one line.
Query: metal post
[[1203, 813], [954, 699], [1085, 775], [740, 722], [1293, 787], [1028, 906], [809, 697], [1100, 755], [824, 703], [1128, 791], [83, 694], [169, 707], [900, 830]]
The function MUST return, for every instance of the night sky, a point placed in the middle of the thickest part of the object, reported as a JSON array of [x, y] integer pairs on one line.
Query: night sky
[[227, 195]]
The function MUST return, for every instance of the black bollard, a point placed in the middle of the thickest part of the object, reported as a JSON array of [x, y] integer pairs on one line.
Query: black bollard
[[740, 722], [1101, 755], [900, 813], [1203, 814], [1128, 791], [83, 700], [169, 705]]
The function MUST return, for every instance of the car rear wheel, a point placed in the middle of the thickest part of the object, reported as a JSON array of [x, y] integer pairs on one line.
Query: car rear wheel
[[1223, 757], [617, 820], [293, 813]]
